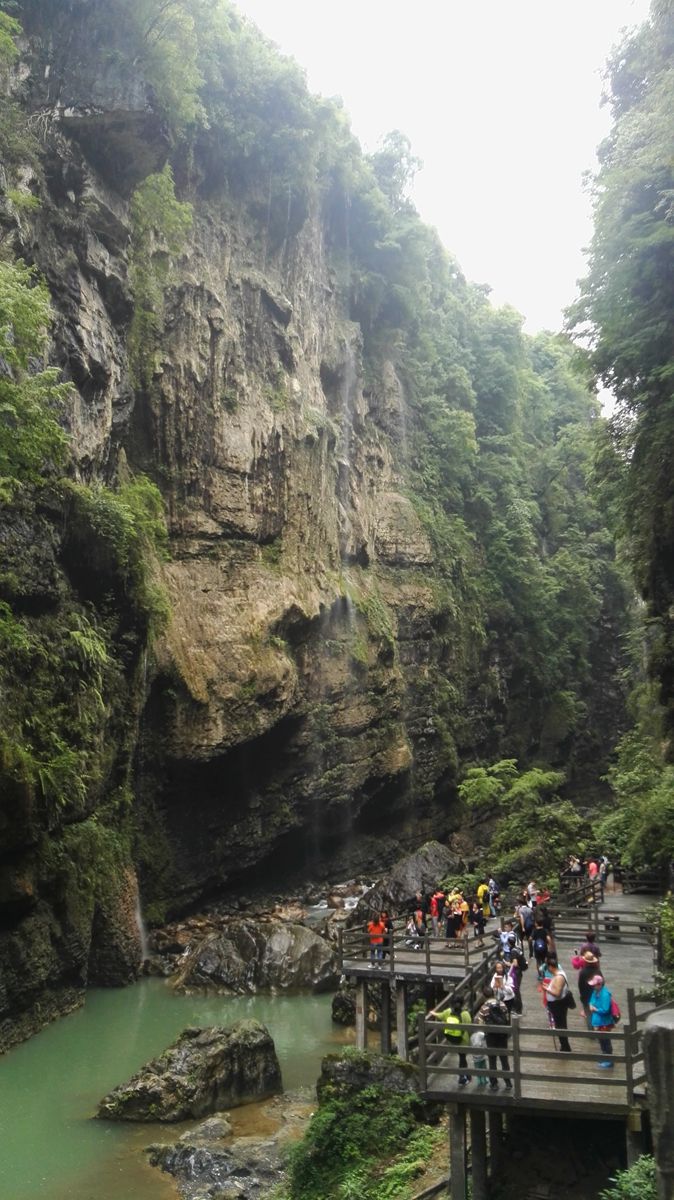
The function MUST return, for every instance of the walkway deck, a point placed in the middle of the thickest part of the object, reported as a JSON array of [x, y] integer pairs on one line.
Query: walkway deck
[[542, 1076]]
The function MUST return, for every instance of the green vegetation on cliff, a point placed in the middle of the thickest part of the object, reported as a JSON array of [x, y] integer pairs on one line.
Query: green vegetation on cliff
[[368, 1145], [627, 303], [32, 442], [160, 224], [535, 829]]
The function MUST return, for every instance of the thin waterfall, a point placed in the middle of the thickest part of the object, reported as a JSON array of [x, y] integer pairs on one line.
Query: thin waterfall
[[142, 931]]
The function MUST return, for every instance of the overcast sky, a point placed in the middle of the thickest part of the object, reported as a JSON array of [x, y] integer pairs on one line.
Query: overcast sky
[[501, 100]]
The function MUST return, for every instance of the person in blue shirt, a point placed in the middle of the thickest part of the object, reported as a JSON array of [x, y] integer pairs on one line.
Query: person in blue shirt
[[600, 1015]]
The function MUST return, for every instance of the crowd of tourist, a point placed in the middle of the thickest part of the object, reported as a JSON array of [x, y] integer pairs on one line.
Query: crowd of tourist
[[526, 938]]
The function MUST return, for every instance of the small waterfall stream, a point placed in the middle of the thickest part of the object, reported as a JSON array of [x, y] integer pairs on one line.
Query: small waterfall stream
[[142, 930]]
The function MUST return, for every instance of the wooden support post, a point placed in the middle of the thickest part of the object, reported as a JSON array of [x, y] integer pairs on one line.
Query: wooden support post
[[421, 1033], [516, 1057], [633, 1142], [458, 1178], [361, 1014], [495, 1142], [401, 1019], [478, 1152], [659, 1062], [385, 1016], [594, 920]]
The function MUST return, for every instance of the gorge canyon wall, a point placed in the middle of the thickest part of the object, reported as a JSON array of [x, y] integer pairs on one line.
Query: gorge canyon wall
[[323, 667]]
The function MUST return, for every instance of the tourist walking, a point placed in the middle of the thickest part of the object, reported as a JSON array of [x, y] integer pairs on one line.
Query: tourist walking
[[483, 898], [478, 921], [588, 968], [456, 1018], [590, 944], [388, 935], [434, 913], [526, 919], [478, 1044], [502, 987], [494, 1015], [542, 944], [377, 931], [559, 998], [518, 965], [601, 1017]]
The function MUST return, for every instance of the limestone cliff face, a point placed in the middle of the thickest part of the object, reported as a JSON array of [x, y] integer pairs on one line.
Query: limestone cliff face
[[284, 721], [317, 683], [296, 564]]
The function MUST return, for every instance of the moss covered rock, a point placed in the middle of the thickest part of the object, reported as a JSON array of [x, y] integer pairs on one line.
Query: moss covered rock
[[204, 1071]]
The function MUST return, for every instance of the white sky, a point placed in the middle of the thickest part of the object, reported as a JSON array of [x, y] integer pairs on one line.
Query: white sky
[[501, 100]]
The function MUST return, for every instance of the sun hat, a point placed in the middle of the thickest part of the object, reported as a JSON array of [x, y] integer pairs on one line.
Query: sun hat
[[595, 981], [589, 956]]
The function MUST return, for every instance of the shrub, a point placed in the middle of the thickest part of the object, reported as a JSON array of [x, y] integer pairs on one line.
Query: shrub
[[638, 1182]]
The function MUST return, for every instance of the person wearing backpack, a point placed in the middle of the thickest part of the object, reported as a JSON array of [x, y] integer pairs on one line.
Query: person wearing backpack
[[541, 945], [455, 1019], [494, 1015], [588, 968], [559, 998], [526, 919], [602, 1016]]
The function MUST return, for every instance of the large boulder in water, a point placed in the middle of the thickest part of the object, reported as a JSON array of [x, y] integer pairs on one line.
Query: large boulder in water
[[204, 1071], [417, 872], [248, 956]]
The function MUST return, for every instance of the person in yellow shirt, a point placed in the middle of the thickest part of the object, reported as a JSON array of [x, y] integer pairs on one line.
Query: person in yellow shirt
[[483, 897]]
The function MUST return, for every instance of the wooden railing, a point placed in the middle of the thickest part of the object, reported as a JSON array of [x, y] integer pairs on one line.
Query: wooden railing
[[604, 926], [430, 954], [650, 882], [528, 1063], [469, 989]]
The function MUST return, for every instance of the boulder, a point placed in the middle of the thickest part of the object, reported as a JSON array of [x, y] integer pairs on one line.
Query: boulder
[[213, 1129], [344, 1006], [419, 871], [345, 1075], [342, 1075], [247, 1167], [205, 1070], [208, 1172], [248, 955]]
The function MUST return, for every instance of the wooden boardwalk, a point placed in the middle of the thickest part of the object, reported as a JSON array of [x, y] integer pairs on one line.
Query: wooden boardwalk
[[434, 959], [541, 1076]]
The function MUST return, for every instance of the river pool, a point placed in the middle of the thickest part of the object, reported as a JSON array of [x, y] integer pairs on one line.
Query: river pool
[[51, 1149]]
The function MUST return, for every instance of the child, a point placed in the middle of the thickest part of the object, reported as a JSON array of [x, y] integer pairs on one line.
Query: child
[[479, 1057]]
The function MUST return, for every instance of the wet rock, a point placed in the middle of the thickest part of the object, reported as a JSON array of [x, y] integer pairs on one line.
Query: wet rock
[[344, 1007], [247, 955], [239, 1172], [116, 949], [419, 871], [249, 1167], [212, 1130], [204, 1071]]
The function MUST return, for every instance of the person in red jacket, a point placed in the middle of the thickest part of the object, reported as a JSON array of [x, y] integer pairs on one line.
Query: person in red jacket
[[376, 928]]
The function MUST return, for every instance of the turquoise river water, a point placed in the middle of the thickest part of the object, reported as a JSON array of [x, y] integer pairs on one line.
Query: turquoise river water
[[51, 1149]]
